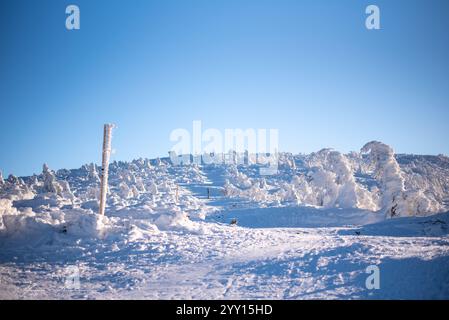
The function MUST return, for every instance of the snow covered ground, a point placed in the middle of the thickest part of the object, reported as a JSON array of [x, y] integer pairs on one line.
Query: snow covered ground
[[225, 232]]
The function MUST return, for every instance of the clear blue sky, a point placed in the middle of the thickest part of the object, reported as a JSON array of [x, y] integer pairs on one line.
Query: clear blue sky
[[309, 68]]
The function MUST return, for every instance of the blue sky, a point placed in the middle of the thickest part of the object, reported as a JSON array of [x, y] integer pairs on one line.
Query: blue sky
[[308, 68]]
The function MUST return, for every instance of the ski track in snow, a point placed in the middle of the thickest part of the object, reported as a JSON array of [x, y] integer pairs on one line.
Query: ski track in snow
[[326, 258]]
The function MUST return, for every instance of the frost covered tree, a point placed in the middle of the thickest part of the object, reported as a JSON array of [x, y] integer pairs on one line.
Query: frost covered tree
[[388, 173], [92, 193], [152, 188], [14, 188], [92, 173], [303, 189], [293, 164], [140, 185], [148, 164], [12, 179], [256, 193], [66, 191], [230, 190], [131, 177], [239, 179], [396, 201], [125, 191], [6, 207], [288, 193], [1, 179], [34, 181], [50, 183], [288, 161], [333, 183], [263, 183]]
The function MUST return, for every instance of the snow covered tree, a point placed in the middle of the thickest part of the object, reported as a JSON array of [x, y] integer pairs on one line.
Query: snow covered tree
[[229, 190], [263, 183], [333, 182], [288, 193], [140, 185], [293, 164], [239, 179], [389, 175], [12, 179], [92, 173], [34, 181], [66, 191], [303, 189], [50, 183], [148, 164], [395, 199], [125, 191], [152, 188], [256, 193]]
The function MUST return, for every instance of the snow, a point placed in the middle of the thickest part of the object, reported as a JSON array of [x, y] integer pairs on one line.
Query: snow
[[395, 199], [214, 231]]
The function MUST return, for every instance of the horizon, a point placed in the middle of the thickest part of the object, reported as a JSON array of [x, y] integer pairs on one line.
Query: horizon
[[98, 163]]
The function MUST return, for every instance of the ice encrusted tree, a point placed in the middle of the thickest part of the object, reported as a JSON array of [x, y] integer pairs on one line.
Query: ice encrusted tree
[[263, 183], [388, 173], [2, 181], [125, 191], [333, 182], [66, 191], [396, 201], [152, 188], [50, 183], [147, 164], [12, 179], [34, 181], [229, 190], [303, 189], [238, 178], [92, 173]]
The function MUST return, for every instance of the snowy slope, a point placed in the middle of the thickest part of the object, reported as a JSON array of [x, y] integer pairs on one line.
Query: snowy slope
[[225, 231], [232, 262]]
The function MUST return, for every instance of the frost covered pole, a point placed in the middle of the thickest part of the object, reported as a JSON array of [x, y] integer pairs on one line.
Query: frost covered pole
[[105, 166]]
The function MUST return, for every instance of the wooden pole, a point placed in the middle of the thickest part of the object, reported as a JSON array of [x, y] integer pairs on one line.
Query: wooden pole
[[105, 166]]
